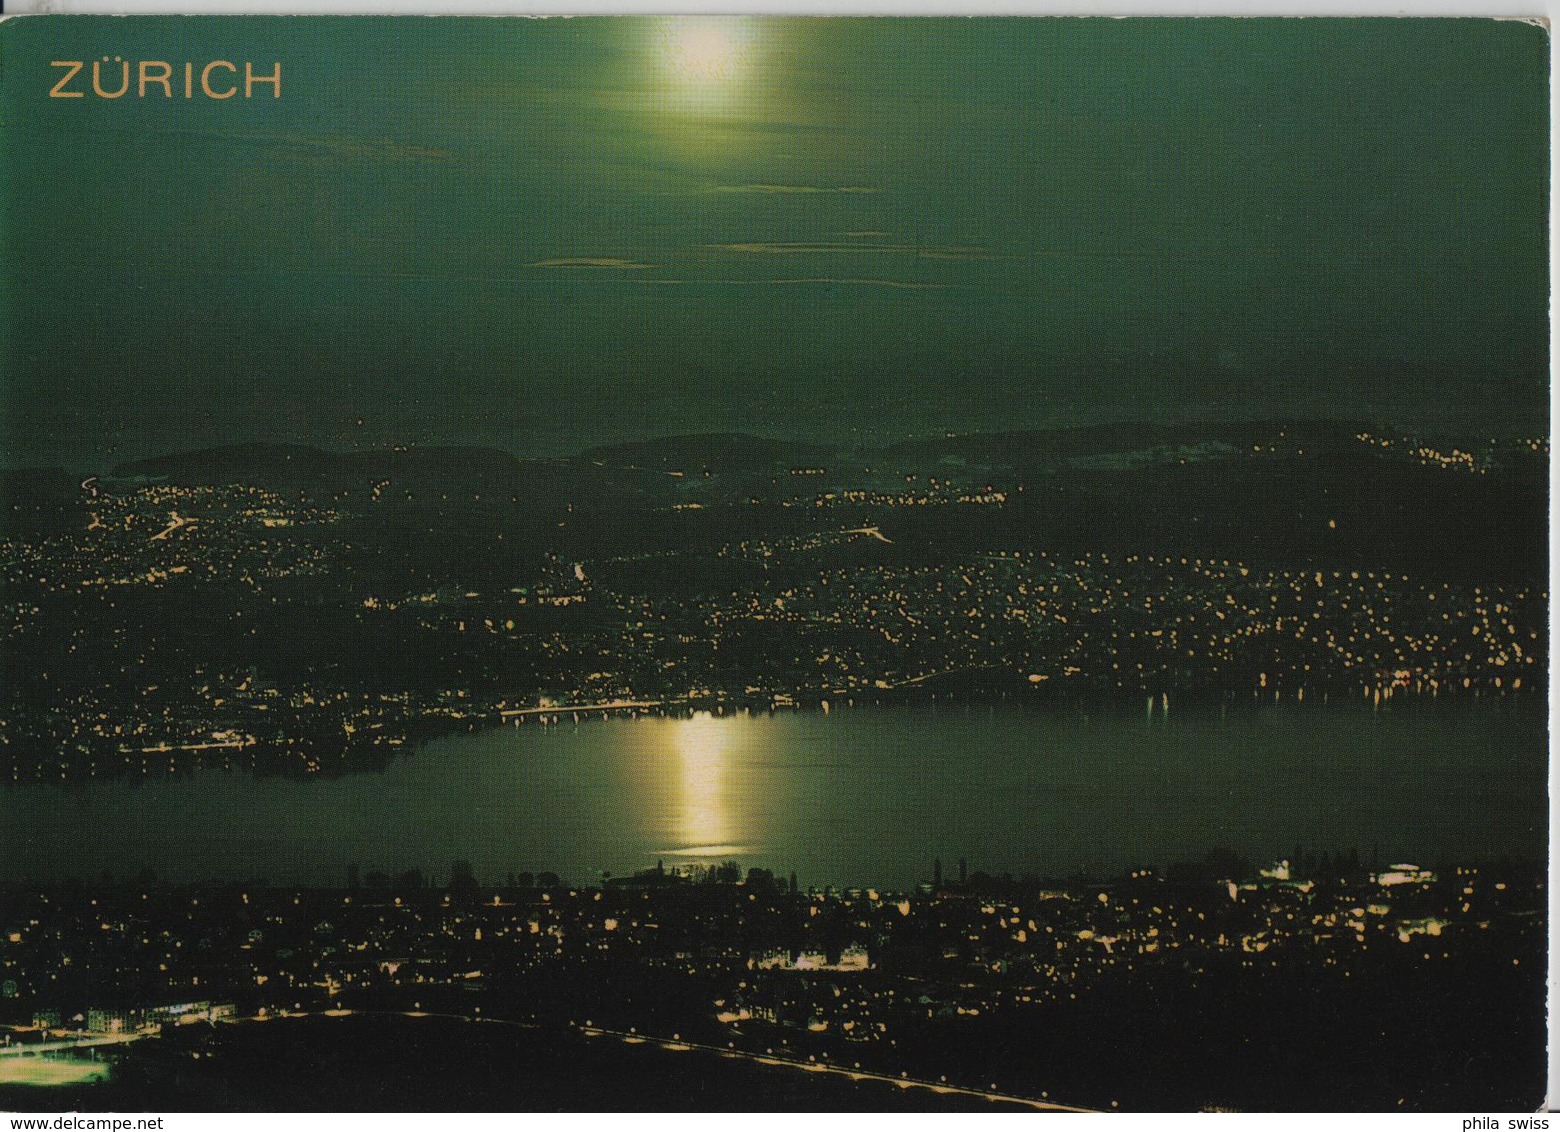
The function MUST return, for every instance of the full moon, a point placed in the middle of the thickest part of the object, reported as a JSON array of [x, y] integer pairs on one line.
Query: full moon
[[706, 52]]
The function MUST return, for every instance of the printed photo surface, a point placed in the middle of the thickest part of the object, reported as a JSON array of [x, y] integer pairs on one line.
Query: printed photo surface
[[761, 563]]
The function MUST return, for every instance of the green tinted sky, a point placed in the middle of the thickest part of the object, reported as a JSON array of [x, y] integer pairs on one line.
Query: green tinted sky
[[549, 233]]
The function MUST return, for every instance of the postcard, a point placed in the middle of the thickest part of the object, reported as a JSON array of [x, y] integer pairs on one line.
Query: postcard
[[773, 564]]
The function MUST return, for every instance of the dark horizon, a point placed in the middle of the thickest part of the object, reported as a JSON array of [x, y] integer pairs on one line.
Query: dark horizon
[[108, 462]]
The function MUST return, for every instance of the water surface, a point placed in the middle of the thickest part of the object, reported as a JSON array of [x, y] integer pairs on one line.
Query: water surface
[[857, 796]]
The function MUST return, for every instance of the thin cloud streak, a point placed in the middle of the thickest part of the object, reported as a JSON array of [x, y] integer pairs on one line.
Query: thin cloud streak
[[834, 248], [794, 189], [591, 261], [901, 284], [299, 143]]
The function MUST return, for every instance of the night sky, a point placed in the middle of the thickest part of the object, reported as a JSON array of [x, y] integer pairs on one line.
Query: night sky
[[545, 234]]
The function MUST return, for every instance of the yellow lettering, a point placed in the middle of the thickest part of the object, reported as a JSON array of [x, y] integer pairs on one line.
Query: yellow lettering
[[274, 78], [124, 78], [145, 76], [58, 89], [205, 79]]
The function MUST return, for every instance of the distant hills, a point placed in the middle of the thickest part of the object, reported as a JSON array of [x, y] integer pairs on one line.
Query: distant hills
[[736, 453], [718, 453], [1276, 491], [416, 470], [247, 463]]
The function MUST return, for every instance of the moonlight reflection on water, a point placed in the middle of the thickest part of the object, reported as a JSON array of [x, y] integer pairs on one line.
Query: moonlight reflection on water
[[860, 796]]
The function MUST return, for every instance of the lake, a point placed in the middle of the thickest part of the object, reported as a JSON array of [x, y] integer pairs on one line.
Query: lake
[[860, 796]]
